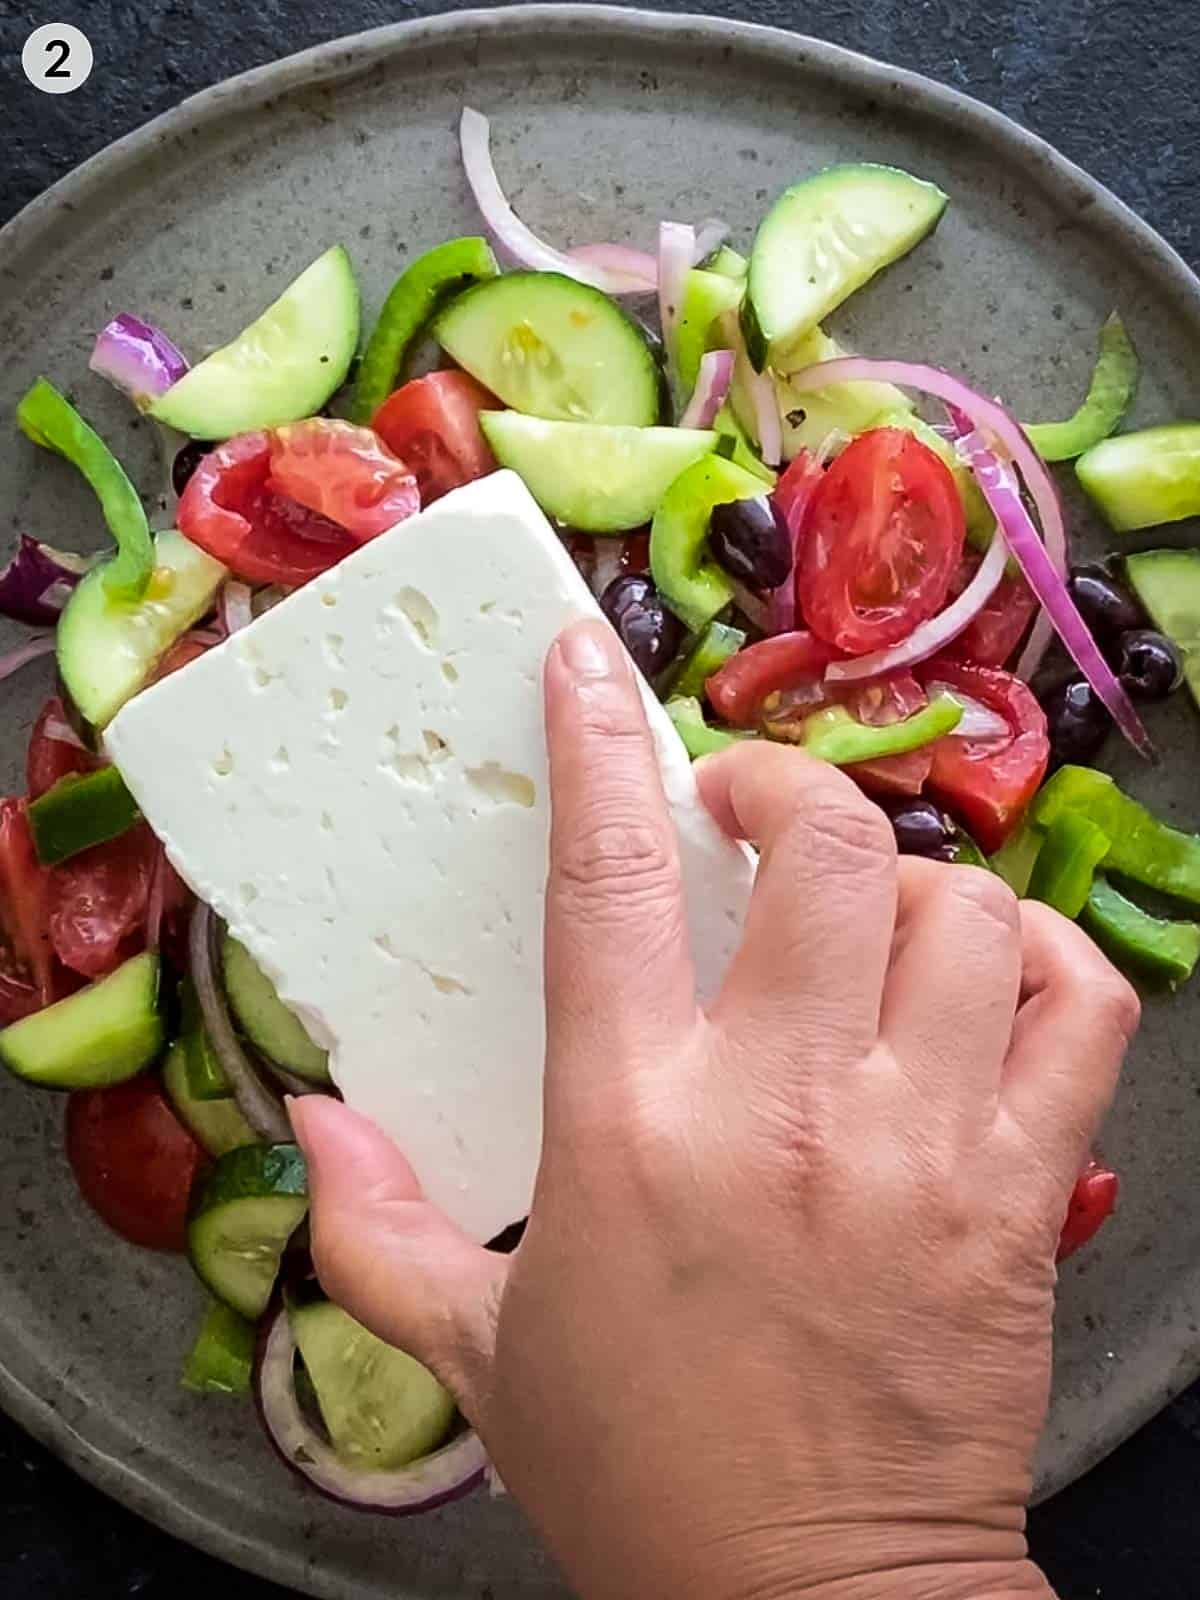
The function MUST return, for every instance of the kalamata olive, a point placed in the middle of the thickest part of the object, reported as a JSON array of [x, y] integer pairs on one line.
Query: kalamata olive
[[1104, 605], [1148, 664], [650, 632], [187, 460], [1077, 722], [920, 828], [746, 539]]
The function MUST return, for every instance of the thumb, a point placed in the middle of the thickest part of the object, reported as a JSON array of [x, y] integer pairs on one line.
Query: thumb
[[391, 1259]]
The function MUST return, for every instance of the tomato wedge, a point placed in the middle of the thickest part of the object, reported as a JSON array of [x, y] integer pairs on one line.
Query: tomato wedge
[[98, 902], [51, 757], [28, 955], [988, 782], [884, 701], [785, 662], [432, 423], [794, 492], [881, 540], [1093, 1201], [344, 473], [1000, 626]]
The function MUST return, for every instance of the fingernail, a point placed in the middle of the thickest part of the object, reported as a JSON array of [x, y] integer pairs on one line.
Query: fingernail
[[587, 649]]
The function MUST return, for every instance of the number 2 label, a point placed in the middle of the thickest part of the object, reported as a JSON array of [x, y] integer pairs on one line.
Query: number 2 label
[[57, 58]]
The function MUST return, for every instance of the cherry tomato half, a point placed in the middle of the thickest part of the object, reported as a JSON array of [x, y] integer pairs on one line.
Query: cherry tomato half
[[881, 540], [51, 758], [98, 902], [1093, 1201], [28, 957], [782, 663], [987, 783], [879, 703], [344, 473], [999, 627], [134, 1161], [432, 424]]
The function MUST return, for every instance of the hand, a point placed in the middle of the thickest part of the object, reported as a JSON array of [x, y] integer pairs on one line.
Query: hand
[[780, 1324]]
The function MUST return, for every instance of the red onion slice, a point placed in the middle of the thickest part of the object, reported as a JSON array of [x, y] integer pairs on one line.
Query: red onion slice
[[711, 234], [138, 358], [234, 607], [1003, 493], [636, 269], [156, 899], [37, 582], [14, 660], [676, 247], [929, 637], [751, 605], [712, 385], [454, 1470], [977, 721], [758, 389]]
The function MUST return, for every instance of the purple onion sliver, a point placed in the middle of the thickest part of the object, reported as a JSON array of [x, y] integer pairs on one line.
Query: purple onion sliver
[[712, 385], [138, 358], [635, 270], [37, 582], [676, 243], [14, 660]]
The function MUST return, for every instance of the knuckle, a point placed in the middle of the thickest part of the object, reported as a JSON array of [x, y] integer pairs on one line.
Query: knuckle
[[1116, 1004], [987, 895], [844, 826], [609, 854]]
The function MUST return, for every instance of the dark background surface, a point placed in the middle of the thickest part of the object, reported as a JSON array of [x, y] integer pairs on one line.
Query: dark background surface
[[1112, 84]]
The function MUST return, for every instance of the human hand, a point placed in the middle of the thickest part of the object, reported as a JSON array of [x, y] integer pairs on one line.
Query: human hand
[[780, 1323]]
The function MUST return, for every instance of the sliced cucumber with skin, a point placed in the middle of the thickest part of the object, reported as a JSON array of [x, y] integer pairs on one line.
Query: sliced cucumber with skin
[[281, 368], [734, 444], [712, 649], [263, 1017], [108, 648], [252, 1202], [728, 262], [1139, 480], [690, 582], [222, 1358], [851, 408], [819, 242], [554, 348], [206, 1077], [110, 1031], [381, 1409], [217, 1124], [595, 478], [1167, 582]]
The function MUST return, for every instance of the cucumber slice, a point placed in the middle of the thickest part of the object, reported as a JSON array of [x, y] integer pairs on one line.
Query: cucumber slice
[[1167, 582], [284, 366], [263, 1017], [711, 650], [104, 1034], [852, 408], [108, 647], [381, 1409], [222, 1357], [553, 348], [596, 478], [822, 240], [253, 1201], [734, 444], [206, 1077], [706, 296], [1140, 480], [728, 262], [81, 810], [690, 582], [217, 1124]]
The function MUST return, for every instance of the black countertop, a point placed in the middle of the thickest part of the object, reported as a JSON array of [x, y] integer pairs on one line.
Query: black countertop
[[1113, 84]]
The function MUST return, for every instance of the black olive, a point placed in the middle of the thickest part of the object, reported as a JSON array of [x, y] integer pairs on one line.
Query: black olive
[[921, 829], [1148, 664], [1077, 722], [187, 459], [747, 538], [1107, 608], [650, 632]]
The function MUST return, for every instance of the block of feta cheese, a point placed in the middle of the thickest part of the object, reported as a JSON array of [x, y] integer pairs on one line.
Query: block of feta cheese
[[357, 784]]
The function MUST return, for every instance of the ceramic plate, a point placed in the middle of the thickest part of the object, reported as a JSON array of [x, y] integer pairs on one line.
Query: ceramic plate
[[605, 121]]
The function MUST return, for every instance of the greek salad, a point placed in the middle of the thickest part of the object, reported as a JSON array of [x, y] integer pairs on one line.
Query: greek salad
[[862, 557]]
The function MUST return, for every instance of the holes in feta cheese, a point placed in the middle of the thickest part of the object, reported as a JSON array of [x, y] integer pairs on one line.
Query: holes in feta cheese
[[328, 598], [262, 678], [338, 700], [517, 618], [326, 822], [383, 943], [249, 894], [414, 766], [442, 982], [487, 608], [333, 650], [418, 611], [281, 761], [449, 672], [223, 765], [501, 787], [435, 746]]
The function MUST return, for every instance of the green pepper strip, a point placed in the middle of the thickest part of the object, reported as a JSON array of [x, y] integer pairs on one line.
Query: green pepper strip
[[835, 736], [222, 1357], [711, 650], [698, 737], [1109, 396], [1017, 857], [417, 293], [1062, 875], [79, 811], [206, 1078], [51, 421], [1140, 846], [967, 853], [1145, 945]]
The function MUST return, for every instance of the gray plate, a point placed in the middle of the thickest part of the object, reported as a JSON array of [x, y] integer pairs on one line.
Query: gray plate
[[605, 120]]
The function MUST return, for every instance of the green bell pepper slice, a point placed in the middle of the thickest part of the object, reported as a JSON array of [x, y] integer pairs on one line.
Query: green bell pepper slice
[[966, 853], [1062, 875], [79, 811], [1140, 846], [222, 1358], [1146, 946], [1017, 857], [1109, 396], [419, 291], [690, 582], [711, 650], [835, 736], [53, 422], [699, 737], [706, 295]]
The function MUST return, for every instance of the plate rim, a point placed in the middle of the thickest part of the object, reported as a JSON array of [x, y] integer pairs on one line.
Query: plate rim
[[1056, 175]]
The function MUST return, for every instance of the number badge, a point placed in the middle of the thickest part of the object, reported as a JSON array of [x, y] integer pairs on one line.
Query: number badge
[[57, 58]]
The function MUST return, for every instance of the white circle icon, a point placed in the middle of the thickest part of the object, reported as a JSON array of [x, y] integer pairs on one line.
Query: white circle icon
[[57, 58]]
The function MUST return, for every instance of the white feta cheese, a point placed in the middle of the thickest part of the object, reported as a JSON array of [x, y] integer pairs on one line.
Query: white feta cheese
[[357, 783]]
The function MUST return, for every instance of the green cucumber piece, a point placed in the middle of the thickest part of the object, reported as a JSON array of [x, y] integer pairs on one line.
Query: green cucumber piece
[[242, 1217], [1017, 857], [206, 1079], [1139, 480], [81, 810], [553, 348], [690, 582], [102, 1035], [734, 443], [222, 1358], [1167, 582], [108, 647], [281, 368], [1146, 946], [263, 1017], [706, 296], [711, 650], [699, 737], [217, 1124], [596, 478], [850, 408], [728, 262], [381, 1409], [819, 242], [1109, 396], [420, 290]]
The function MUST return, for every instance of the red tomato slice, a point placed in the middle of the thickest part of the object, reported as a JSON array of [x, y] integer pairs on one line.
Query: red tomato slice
[[344, 473], [1093, 1201], [98, 902], [51, 758], [987, 783], [794, 492], [878, 703], [24, 907], [998, 629], [134, 1161], [230, 510], [882, 539], [635, 552], [432, 424], [181, 654], [782, 663]]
